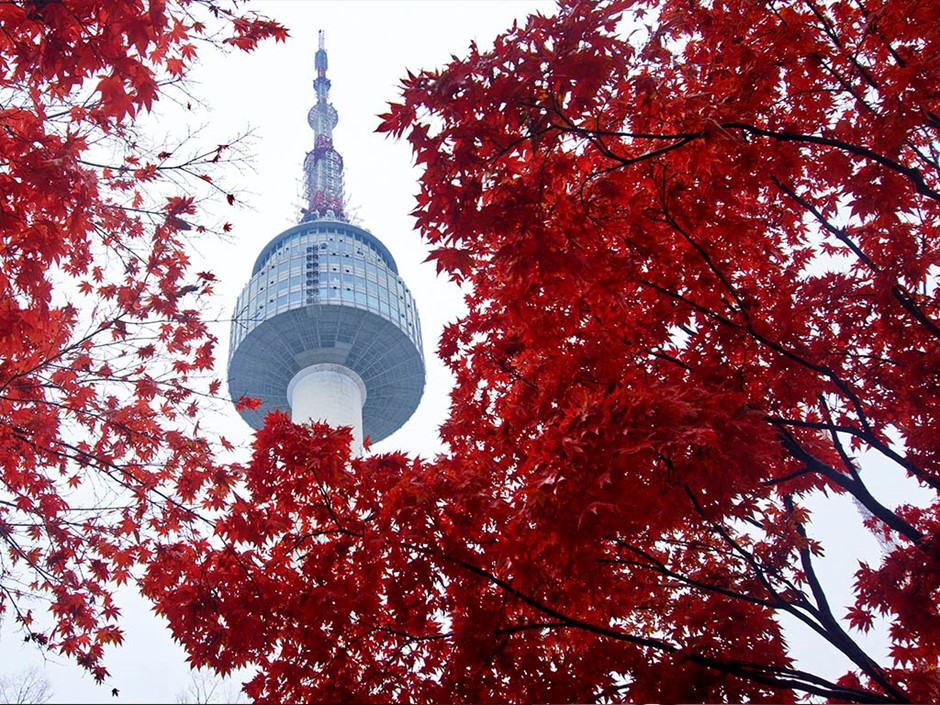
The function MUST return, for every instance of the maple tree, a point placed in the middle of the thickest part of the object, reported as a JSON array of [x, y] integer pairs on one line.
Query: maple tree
[[700, 245], [102, 347]]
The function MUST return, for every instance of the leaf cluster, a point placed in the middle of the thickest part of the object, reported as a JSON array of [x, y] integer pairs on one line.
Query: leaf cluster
[[699, 242], [102, 344]]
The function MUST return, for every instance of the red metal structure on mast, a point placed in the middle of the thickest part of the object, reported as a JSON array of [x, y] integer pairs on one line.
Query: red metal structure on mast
[[323, 166]]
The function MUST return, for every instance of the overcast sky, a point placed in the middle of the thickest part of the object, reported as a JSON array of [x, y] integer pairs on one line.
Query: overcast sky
[[370, 45]]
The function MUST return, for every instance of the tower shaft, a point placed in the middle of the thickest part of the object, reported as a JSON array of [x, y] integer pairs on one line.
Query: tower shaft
[[330, 393]]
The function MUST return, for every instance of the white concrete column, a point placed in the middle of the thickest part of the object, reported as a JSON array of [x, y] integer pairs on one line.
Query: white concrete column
[[330, 393]]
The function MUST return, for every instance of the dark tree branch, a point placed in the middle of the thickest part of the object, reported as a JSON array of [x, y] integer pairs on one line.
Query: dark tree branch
[[920, 185]]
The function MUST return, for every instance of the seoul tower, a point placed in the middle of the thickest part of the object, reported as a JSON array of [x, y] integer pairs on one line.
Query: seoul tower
[[325, 327]]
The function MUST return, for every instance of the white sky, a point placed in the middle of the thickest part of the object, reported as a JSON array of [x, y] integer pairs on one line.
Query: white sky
[[370, 44]]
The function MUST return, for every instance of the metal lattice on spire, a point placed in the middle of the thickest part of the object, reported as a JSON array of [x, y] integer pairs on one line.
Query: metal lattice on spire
[[323, 166]]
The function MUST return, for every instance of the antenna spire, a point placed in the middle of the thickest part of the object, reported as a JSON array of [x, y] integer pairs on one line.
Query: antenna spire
[[323, 166]]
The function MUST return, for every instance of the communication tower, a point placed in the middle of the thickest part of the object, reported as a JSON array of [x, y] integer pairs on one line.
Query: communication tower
[[325, 327]]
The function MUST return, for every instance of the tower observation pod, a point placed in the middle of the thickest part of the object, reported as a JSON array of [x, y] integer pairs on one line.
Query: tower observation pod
[[325, 327]]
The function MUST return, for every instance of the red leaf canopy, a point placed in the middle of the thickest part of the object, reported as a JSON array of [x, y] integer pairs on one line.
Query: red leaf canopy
[[699, 242], [100, 351]]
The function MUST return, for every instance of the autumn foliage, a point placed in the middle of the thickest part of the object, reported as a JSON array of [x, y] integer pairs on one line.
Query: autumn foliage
[[102, 348], [699, 242]]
